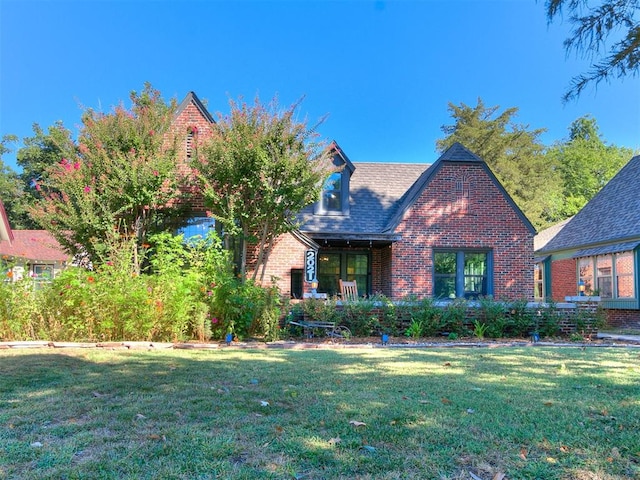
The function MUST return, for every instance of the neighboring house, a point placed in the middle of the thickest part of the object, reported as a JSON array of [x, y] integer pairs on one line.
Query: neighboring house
[[448, 230], [596, 251], [30, 253]]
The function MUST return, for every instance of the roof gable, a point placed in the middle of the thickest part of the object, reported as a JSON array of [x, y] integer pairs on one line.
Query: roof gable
[[546, 235], [458, 154], [192, 98], [342, 157], [612, 215]]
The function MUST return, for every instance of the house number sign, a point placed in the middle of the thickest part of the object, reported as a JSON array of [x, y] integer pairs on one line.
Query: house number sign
[[310, 265]]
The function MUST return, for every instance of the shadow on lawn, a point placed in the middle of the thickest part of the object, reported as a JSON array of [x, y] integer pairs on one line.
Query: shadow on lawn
[[172, 413]]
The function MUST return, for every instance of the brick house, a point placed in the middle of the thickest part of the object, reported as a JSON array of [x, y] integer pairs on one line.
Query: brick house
[[32, 253], [597, 250], [445, 230]]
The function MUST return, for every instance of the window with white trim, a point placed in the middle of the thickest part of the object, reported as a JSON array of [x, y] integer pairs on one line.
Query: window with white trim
[[538, 281], [609, 276]]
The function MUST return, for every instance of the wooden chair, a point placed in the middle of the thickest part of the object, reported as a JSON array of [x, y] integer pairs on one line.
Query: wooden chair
[[349, 291]]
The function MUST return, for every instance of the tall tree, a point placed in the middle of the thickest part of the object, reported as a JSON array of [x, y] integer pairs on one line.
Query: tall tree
[[512, 151], [257, 171], [593, 25], [11, 191], [586, 163], [38, 154], [113, 188]]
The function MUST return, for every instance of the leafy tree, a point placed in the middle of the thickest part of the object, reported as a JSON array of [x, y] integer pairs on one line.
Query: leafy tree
[[115, 186], [38, 154], [11, 191], [586, 163], [41, 152], [257, 171], [594, 24], [512, 151]]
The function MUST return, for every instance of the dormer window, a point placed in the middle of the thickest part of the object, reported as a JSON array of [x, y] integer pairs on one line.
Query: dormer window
[[332, 193], [334, 199]]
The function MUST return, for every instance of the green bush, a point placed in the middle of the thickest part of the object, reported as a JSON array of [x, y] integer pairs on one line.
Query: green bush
[[454, 317], [493, 317], [187, 291], [520, 321], [429, 316], [321, 310], [18, 308], [361, 317], [546, 320]]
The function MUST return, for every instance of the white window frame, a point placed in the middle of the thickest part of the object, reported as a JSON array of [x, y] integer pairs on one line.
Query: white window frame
[[591, 282]]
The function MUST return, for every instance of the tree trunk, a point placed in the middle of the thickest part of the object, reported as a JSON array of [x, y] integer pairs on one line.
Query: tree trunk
[[243, 254], [267, 254]]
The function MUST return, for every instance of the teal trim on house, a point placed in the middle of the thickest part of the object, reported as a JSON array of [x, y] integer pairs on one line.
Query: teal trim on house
[[546, 279]]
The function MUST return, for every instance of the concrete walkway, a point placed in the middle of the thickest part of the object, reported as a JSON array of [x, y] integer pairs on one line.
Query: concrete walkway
[[617, 337], [604, 340]]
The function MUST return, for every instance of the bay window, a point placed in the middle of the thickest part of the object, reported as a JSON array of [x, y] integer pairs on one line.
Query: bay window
[[610, 276]]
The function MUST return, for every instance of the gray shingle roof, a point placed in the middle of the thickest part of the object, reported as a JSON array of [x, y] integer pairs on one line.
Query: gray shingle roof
[[546, 235], [613, 215], [380, 194], [374, 194]]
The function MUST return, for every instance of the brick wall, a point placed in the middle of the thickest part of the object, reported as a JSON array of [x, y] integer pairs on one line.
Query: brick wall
[[462, 208], [564, 282], [381, 271], [287, 254], [183, 126], [623, 318]]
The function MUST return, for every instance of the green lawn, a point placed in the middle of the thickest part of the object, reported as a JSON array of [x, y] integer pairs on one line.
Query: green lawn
[[377, 413]]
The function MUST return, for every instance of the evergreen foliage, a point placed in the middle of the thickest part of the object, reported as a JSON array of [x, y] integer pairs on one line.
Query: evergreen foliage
[[512, 151], [594, 23]]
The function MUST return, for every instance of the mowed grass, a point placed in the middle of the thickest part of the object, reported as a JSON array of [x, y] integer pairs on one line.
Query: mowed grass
[[377, 413]]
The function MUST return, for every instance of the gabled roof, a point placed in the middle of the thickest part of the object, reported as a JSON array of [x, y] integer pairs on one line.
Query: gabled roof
[[193, 98], [611, 216], [456, 153], [343, 156], [545, 236], [381, 193], [35, 246], [374, 193]]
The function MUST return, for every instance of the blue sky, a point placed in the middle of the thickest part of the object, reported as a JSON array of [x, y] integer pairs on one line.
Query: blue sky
[[384, 72]]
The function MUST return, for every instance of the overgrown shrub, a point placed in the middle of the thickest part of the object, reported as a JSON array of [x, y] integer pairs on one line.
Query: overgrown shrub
[[454, 317], [547, 321], [493, 316], [17, 309], [361, 317], [520, 321], [187, 291]]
